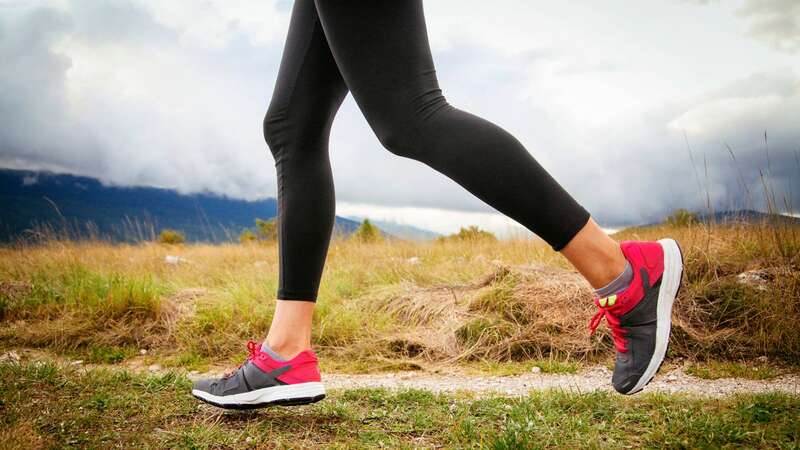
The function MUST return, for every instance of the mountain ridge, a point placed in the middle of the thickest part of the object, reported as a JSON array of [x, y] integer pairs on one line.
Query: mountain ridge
[[83, 207]]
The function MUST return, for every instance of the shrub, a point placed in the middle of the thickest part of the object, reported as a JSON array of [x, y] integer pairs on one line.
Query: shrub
[[469, 234], [682, 218], [168, 236], [247, 236], [367, 232], [267, 229]]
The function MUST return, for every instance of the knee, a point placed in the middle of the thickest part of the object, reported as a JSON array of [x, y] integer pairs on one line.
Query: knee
[[274, 127], [401, 140]]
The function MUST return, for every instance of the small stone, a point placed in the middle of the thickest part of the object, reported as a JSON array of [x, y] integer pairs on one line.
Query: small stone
[[672, 378], [143, 352], [536, 369], [11, 356], [763, 358], [413, 261], [755, 278], [249, 439], [77, 362], [172, 260], [154, 368]]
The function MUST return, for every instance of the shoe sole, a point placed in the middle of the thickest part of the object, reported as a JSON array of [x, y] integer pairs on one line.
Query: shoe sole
[[286, 395], [670, 285]]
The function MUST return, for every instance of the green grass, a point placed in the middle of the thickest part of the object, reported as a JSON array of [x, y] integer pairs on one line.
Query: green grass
[[46, 406], [91, 294], [713, 370], [106, 354]]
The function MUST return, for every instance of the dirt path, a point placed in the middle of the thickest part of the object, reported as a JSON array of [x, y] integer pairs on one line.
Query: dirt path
[[674, 380], [596, 378]]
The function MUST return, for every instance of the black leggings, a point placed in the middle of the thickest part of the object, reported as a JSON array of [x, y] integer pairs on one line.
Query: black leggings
[[378, 50]]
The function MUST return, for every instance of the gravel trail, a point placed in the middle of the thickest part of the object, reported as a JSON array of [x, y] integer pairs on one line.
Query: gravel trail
[[595, 378]]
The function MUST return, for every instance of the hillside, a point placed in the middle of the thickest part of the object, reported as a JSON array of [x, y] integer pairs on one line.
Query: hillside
[[747, 216], [85, 207], [400, 230]]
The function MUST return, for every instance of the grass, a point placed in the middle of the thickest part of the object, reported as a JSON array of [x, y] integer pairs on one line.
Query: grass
[[714, 370], [46, 406], [504, 304]]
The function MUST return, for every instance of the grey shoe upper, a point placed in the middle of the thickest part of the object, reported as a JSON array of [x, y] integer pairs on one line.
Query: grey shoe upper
[[640, 324], [248, 377]]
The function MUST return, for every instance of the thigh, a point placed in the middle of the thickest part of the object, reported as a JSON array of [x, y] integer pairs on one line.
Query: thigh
[[308, 80], [382, 51]]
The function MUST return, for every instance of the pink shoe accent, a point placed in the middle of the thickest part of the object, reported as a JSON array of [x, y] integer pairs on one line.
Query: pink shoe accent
[[641, 255], [304, 366]]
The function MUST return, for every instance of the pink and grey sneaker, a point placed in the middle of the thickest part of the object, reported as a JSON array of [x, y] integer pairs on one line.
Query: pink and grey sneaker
[[640, 316], [262, 381]]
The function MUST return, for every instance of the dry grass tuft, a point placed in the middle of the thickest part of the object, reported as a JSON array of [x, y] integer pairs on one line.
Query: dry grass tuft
[[528, 311]]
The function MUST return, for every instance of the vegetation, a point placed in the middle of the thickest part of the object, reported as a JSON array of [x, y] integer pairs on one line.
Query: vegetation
[[713, 370], [267, 229], [496, 307], [394, 304], [367, 233], [101, 408], [247, 236], [171, 237], [682, 218], [470, 234]]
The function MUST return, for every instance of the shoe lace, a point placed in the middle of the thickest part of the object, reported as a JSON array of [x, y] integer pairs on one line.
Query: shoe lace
[[605, 306], [252, 348]]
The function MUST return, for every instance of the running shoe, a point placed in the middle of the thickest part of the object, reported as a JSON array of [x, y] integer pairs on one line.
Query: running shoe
[[640, 317], [263, 381]]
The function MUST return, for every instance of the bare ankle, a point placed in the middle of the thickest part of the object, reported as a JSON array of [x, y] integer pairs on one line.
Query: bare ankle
[[287, 349]]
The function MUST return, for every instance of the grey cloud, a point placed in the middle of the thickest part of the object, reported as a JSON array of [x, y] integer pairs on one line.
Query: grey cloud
[[775, 21], [132, 138], [117, 21], [658, 171], [35, 115], [200, 129]]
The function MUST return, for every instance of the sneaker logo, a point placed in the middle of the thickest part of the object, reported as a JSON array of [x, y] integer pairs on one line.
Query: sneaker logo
[[279, 371], [608, 301], [272, 376]]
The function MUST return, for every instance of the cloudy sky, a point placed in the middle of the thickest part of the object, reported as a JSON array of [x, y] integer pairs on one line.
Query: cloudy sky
[[632, 108]]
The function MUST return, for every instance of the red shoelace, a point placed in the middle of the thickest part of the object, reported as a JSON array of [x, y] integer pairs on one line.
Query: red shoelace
[[253, 348], [617, 332]]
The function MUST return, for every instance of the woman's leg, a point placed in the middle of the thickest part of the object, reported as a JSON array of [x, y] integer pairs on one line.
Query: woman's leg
[[308, 92], [382, 52]]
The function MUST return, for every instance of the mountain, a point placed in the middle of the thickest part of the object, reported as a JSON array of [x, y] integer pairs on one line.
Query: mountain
[[82, 207], [400, 230], [748, 216]]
